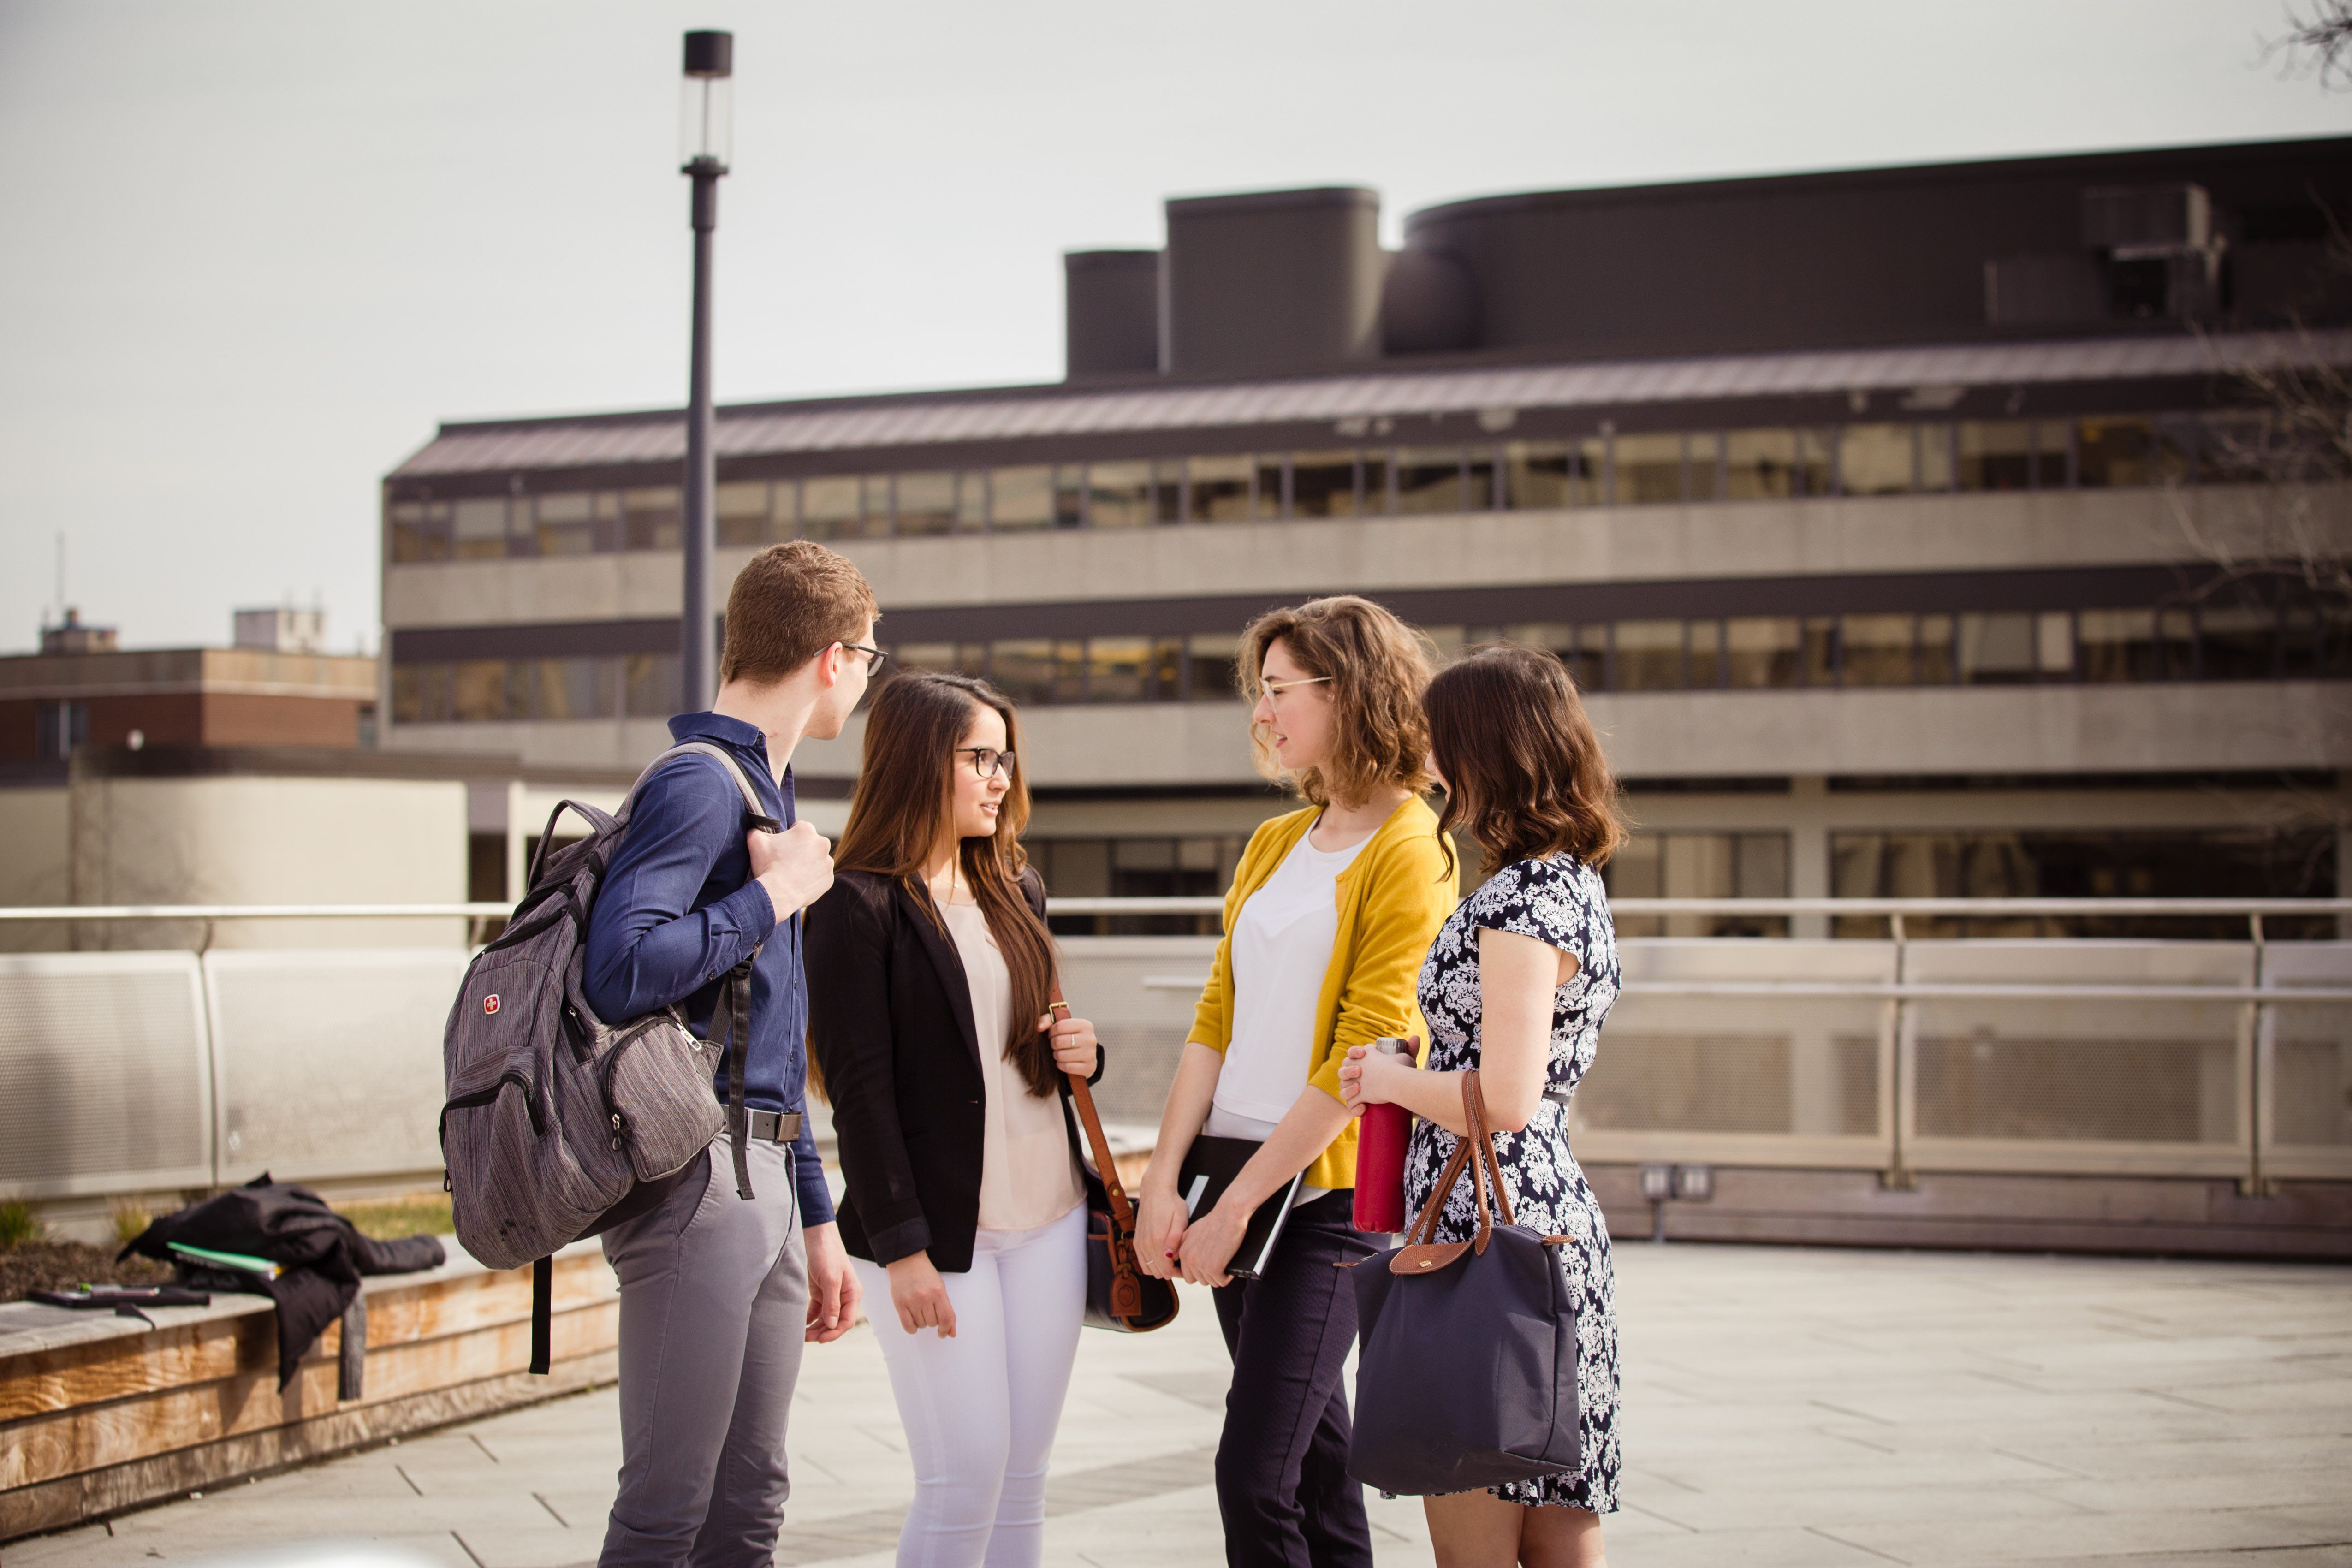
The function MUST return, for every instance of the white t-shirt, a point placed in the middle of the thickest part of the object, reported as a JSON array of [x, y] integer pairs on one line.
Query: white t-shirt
[[1281, 949]]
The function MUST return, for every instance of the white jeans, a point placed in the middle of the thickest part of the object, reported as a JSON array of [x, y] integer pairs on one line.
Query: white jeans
[[980, 1409]]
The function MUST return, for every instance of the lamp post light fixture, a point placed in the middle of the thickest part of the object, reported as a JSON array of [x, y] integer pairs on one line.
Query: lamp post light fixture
[[706, 133]]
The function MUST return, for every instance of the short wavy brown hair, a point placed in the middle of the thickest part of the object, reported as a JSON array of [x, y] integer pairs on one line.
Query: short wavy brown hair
[[1377, 667], [1524, 771]]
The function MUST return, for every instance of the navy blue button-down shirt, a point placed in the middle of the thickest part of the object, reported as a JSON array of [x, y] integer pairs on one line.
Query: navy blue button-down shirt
[[678, 908]]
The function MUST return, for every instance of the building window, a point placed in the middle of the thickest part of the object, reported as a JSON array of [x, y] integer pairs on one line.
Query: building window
[[1212, 667], [1996, 455], [567, 523], [2207, 863], [1648, 469], [651, 686], [1759, 465], [649, 518], [1021, 497], [1876, 651], [743, 515], [420, 530], [1701, 866], [481, 528], [1217, 490], [1119, 495], [1190, 867], [571, 688], [1430, 479], [832, 508], [1648, 656], [1039, 669], [1875, 459], [1761, 651], [1133, 669], [1324, 484], [58, 727]]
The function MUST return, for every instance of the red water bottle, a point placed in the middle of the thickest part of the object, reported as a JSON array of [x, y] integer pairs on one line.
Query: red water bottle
[[1380, 1156]]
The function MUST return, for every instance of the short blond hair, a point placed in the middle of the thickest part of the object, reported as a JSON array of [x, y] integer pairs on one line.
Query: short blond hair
[[789, 604]]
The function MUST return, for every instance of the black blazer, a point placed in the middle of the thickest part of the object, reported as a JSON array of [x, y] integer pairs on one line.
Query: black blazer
[[890, 1024]]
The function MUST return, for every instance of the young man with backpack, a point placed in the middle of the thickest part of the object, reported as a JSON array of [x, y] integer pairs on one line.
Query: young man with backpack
[[719, 1288]]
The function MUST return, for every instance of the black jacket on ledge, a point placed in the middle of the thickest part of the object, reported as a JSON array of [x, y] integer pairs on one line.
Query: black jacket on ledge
[[890, 1024]]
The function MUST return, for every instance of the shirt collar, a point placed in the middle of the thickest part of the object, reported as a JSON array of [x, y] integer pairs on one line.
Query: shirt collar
[[720, 728]]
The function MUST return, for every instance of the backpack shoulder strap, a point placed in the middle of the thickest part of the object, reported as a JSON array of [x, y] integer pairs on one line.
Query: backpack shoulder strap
[[752, 802], [730, 1020]]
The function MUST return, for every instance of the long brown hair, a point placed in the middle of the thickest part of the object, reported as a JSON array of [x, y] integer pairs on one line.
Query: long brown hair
[[1523, 768], [1376, 670], [904, 782]]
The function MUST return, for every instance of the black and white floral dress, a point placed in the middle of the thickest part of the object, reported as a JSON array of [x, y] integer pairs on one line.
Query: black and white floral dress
[[1559, 901]]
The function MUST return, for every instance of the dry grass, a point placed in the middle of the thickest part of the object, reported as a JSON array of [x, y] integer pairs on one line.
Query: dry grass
[[389, 1219]]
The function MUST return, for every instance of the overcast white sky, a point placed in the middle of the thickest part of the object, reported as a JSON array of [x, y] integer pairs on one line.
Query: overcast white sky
[[251, 251]]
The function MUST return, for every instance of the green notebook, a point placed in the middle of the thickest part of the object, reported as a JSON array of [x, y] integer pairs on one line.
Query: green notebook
[[242, 1262]]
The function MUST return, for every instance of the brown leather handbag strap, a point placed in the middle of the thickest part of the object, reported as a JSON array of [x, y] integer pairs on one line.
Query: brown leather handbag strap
[[1474, 1095], [1122, 1212]]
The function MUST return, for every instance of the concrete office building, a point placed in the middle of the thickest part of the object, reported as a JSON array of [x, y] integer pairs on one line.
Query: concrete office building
[[1884, 516]]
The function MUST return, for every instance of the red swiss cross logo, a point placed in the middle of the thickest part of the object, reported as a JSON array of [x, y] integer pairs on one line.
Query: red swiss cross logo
[[490, 1003]]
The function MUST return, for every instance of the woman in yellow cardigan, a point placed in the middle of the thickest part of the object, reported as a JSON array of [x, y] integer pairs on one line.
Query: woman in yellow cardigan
[[1332, 912]]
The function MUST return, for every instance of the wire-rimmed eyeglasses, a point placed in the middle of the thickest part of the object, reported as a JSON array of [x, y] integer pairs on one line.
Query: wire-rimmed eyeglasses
[[987, 762], [1275, 689]]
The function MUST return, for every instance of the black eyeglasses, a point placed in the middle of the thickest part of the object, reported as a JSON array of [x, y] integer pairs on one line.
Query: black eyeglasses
[[987, 762], [875, 657]]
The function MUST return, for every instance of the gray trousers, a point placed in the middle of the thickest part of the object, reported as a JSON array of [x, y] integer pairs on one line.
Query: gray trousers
[[714, 1303]]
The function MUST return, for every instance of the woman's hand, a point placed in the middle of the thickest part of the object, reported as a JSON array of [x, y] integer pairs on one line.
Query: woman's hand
[[1209, 1244], [1159, 1231], [1076, 1048], [1371, 1078], [920, 1297]]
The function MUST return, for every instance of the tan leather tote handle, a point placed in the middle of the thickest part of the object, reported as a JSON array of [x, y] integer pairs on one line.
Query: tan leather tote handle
[[1122, 1211], [1476, 1149]]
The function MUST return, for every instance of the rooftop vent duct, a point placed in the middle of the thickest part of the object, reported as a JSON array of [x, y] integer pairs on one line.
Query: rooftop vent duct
[[1110, 301], [1280, 280], [1429, 304]]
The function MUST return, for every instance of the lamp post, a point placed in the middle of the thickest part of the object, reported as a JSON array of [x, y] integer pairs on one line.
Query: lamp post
[[705, 130]]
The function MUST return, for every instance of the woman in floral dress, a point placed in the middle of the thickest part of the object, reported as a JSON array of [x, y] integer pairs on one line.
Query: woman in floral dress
[[1516, 986]]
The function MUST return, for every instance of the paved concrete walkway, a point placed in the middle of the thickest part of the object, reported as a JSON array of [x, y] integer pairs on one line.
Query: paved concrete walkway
[[1784, 1407]]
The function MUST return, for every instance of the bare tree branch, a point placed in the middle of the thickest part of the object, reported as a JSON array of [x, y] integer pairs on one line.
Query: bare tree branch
[[2318, 45]]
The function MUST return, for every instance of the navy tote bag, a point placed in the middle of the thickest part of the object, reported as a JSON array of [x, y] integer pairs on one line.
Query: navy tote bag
[[1465, 1368]]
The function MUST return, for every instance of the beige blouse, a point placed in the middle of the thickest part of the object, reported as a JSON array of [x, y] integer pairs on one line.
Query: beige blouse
[[1028, 1177]]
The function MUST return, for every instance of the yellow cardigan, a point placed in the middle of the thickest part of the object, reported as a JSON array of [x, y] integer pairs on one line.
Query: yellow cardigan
[[1393, 898]]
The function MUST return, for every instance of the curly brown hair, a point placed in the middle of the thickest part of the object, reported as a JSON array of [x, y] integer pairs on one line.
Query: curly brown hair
[[1378, 668], [1524, 771]]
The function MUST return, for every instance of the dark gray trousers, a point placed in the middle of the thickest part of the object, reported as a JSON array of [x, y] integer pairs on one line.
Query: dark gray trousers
[[714, 1304]]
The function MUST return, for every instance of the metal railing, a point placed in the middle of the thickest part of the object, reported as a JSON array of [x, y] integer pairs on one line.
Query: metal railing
[[1901, 1055]]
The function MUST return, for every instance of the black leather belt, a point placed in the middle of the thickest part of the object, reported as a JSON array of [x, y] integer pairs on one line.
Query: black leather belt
[[775, 1126]]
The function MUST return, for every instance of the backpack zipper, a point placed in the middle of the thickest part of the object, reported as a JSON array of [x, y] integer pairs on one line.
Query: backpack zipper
[[481, 1097]]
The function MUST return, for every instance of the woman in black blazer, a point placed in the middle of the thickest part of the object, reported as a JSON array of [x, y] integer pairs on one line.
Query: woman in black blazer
[[929, 967]]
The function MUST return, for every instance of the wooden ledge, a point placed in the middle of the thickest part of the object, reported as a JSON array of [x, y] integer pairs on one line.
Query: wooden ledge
[[99, 1413]]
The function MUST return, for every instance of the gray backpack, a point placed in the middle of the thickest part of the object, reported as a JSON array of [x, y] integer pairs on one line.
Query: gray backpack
[[559, 1124]]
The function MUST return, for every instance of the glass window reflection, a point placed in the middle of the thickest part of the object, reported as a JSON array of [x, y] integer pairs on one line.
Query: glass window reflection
[[925, 504], [1429, 479], [1649, 470], [1218, 488], [1874, 459], [1323, 484], [1759, 464]]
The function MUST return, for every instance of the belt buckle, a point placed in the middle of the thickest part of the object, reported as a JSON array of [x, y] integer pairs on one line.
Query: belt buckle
[[775, 1126]]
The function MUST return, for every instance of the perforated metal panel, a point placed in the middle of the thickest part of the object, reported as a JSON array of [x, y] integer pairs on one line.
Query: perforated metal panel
[[1732, 1082], [2080, 1072], [330, 1061], [103, 1085], [1142, 1025]]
